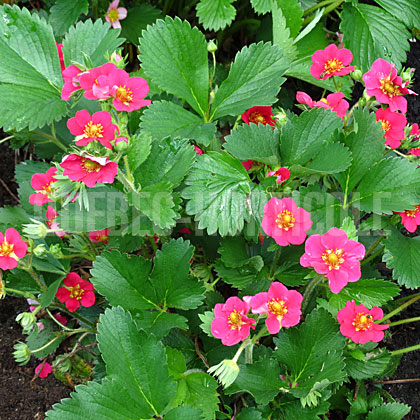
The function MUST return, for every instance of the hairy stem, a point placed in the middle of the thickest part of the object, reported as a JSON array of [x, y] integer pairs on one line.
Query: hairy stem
[[399, 309]]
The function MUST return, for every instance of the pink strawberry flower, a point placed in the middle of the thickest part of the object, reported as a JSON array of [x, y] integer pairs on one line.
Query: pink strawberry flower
[[95, 82], [51, 214], [281, 174], [90, 128], [60, 56], [43, 369], [114, 14], [120, 139], [90, 170], [285, 222], [382, 82], [99, 236], [12, 248], [410, 219], [71, 76], [415, 132], [282, 306], [259, 115], [331, 61], [61, 319], [185, 231], [393, 123], [76, 292], [248, 164], [41, 183], [334, 256], [356, 323], [197, 150], [128, 92], [231, 324], [333, 101]]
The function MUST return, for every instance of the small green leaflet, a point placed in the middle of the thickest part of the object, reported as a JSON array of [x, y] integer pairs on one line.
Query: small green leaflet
[[65, 13], [215, 14]]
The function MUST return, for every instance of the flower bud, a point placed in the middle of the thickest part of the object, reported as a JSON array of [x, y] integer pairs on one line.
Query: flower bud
[[281, 117], [117, 59], [226, 372], [407, 75], [211, 46], [121, 143], [356, 75], [39, 250], [22, 354], [27, 320], [36, 230], [55, 251]]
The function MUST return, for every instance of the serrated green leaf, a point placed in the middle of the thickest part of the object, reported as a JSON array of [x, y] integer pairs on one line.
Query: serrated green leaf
[[30, 72], [255, 142], [237, 277], [234, 254], [138, 18], [65, 13], [206, 320], [13, 216], [303, 135], [183, 50], [370, 33], [170, 276], [140, 147], [372, 292], [184, 413], [332, 158], [404, 258], [215, 14], [313, 352], [282, 33], [254, 79], [168, 161], [249, 414], [407, 11], [217, 189], [166, 119], [92, 40], [373, 365], [160, 323], [37, 340], [48, 296], [291, 409], [293, 13], [393, 411], [261, 6]]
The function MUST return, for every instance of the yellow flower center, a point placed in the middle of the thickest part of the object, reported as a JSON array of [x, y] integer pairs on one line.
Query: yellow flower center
[[124, 95], [256, 118], [113, 15], [235, 320], [76, 292], [385, 125], [333, 65], [6, 249], [324, 100], [362, 322], [90, 166], [412, 213], [277, 307], [285, 220], [389, 88], [93, 130], [333, 258]]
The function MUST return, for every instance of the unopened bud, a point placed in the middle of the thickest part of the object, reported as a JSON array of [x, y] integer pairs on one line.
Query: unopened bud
[[39, 250], [226, 372], [36, 230], [121, 144], [55, 251], [211, 46], [281, 117], [22, 354], [27, 321], [407, 75], [356, 75]]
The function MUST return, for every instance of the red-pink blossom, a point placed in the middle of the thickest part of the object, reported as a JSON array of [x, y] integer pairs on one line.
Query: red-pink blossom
[[259, 115], [90, 170], [71, 76], [128, 92], [334, 256], [393, 123], [331, 61], [121, 139], [114, 14], [61, 319], [99, 236], [386, 86], [285, 222], [283, 306], [333, 101], [76, 292], [44, 369], [60, 56], [231, 324], [356, 323], [12, 248], [41, 183], [198, 151], [51, 214], [95, 82], [410, 219], [281, 174], [89, 128], [248, 164], [185, 230]]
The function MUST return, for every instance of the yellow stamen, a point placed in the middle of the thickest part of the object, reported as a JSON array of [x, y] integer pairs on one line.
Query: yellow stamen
[[93, 130], [90, 166], [76, 292], [389, 88], [277, 307], [333, 258], [362, 322], [124, 94], [285, 220], [235, 320], [333, 65], [6, 249]]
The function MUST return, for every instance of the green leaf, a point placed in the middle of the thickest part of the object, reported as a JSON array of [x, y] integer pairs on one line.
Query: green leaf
[[303, 135], [312, 352], [373, 365], [261, 6], [143, 374], [160, 323], [215, 14], [140, 147], [168, 161], [217, 188], [281, 33], [90, 40], [206, 320], [170, 276], [37, 340], [254, 79], [249, 414], [261, 379], [48, 296], [404, 258], [407, 11], [293, 13], [256, 142], [291, 409], [183, 50], [237, 277], [138, 18], [394, 411], [166, 119], [370, 33], [13, 216], [64, 14], [371, 292], [184, 413], [30, 74], [234, 254]]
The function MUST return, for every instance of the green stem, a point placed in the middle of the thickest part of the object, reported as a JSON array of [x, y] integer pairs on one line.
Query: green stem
[[127, 184], [309, 289], [90, 244], [87, 257], [6, 138], [127, 169], [375, 244], [244, 344], [400, 308], [404, 321], [52, 139], [398, 153], [347, 117], [405, 298], [58, 322], [46, 345], [275, 263], [248, 353], [373, 256], [41, 283], [405, 350], [259, 335], [59, 336], [73, 314], [19, 292], [317, 6], [327, 10]]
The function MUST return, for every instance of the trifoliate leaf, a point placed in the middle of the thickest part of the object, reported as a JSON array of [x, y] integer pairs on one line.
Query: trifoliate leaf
[[65, 13], [407, 11], [215, 14], [373, 364]]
